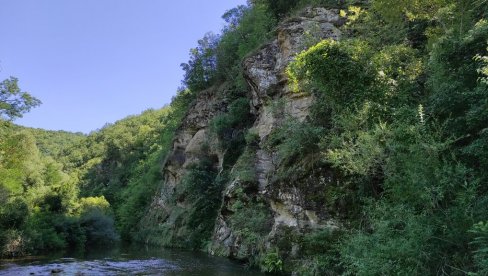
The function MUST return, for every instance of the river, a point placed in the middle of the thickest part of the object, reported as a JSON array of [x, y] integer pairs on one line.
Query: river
[[125, 261]]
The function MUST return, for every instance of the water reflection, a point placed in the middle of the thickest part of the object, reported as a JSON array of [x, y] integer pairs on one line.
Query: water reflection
[[134, 260]]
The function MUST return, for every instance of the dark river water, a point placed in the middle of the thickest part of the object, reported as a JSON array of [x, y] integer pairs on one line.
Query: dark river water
[[126, 261]]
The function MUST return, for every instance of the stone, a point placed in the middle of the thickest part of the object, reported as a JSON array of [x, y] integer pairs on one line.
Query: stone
[[272, 102]]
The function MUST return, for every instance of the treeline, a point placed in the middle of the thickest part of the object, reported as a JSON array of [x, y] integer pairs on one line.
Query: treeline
[[123, 161], [40, 207], [63, 190]]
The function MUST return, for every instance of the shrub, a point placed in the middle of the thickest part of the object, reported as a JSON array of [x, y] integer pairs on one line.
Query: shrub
[[72, 232], [53, 203], [99, 228], [138, 195], [251, 219], [295, 141], [91, 204], [229, 129], [340, 70], [12, 243], [271, 262], [396, 245], [14, 214], [202, 189], [244, 169], [41, 232], [480, 230], [248, 28]]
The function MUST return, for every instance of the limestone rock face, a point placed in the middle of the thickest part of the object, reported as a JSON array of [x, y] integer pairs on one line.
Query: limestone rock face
[[187, 149], [290, 204], [272, 102], [265, 70], [191, 135]]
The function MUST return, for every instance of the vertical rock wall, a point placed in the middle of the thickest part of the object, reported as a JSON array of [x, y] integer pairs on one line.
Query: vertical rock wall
[[187, 150], [271, 101]]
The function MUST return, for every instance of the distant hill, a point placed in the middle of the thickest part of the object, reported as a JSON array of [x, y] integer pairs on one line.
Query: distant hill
[[50, 142]]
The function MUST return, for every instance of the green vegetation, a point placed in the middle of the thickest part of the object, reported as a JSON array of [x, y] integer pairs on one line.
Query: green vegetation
[[394, 150], [100, 185], [51, 143], [13, 101], [122, 162], [406, 132], [272, 263], [40, 208]]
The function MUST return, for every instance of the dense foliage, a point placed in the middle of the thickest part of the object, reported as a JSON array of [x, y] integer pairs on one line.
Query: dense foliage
[[40, 208], [13, 101], [406, 134], [399, 120], [122, 161]]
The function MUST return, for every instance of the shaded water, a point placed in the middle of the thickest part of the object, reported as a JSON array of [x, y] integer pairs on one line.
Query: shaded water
[[126, 261]]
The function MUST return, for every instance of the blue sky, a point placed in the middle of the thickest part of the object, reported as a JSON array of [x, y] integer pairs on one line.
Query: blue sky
[[93, 62]]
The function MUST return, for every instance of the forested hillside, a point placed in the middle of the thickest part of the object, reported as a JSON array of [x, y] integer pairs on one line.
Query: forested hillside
[[318, 137]]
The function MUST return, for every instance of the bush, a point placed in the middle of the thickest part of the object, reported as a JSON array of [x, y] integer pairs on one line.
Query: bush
[[93, 204], [251, 219], [229, 129], [248, 28], [12, 243], [271, 263], [358, 149], [138, 196], [14, 214], [339, 70], [397, 244], [71, 230], [459, 96], [480, 230], [202, 189], [53, 203], [295, 141], [244, 169], [41, 232], [282, 8], [99, 228]]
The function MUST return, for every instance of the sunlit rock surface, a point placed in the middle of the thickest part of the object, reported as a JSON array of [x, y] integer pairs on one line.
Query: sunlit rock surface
[[271, 101]]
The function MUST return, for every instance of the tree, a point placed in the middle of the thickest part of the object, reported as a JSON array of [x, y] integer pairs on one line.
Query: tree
[[13, 101], [200, 69]]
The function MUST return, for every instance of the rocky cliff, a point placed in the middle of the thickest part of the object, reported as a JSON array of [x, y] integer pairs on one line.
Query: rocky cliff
[[286, 204], [273, 102]]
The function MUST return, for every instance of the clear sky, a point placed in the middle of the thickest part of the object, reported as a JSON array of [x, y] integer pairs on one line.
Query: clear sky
[[93, 62]]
